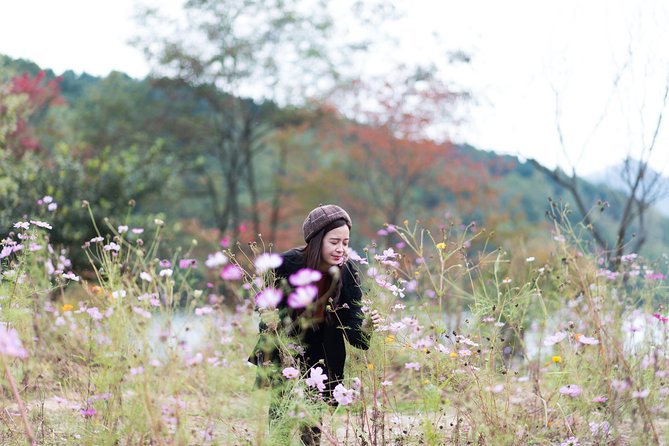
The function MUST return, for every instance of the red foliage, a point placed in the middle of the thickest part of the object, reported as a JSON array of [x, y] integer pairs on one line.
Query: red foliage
[[40, 95]]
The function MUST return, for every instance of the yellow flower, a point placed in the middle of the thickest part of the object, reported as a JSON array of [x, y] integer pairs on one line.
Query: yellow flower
[[390, 339], [67, 307], [417, 274], [96, 289], [427, 381], [556, 359], [578, 336], [370, 366], [441, 245], [406, 222], [453, 355]]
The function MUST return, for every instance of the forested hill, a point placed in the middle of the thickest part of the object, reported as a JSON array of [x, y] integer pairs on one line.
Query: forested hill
[[212, 165]]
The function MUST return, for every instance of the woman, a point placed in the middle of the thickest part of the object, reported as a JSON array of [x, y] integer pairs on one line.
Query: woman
[[320, 328]]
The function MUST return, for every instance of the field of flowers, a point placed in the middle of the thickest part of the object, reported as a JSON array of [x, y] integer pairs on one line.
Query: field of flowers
[[470, 344]]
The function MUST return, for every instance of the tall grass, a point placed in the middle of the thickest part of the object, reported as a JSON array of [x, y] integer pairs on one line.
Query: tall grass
[[470, 345]]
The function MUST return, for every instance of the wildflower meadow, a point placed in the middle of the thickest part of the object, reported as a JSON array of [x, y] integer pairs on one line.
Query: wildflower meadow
[[470, 343]]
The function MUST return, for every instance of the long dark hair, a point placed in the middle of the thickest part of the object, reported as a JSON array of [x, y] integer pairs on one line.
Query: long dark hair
[[311, 254]]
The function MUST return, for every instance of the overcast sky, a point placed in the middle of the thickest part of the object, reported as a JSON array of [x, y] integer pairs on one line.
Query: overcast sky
[[529, 59]]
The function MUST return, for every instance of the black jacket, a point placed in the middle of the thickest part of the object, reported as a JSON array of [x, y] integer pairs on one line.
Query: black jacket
[[325, 341]]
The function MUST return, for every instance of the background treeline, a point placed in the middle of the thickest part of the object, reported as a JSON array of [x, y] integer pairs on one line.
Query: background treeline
[[212, 165]]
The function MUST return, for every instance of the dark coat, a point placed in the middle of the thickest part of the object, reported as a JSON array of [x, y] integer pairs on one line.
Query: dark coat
[[325, 340]]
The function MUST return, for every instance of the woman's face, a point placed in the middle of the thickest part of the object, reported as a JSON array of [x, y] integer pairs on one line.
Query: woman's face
[[335, 247]]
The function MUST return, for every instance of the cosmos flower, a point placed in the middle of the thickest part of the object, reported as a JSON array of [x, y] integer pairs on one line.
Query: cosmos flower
[[316, 378], [269, 298], [343, 395], [302, 296], [290, 372], [305, 276], [266, 261]]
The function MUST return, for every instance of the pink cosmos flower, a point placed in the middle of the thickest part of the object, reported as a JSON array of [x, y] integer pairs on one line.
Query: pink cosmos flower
[[71, 276], [412, 365], [269, 298], [343, 395], [305, 276], [232, 272], [94, 313], [10, 343], [571, 390], [266, 261], [555, 339], [641, 394], [587, 340], [216, 259], [204, 310], [187, 263], [225, 242], [302, 296], [165, 272], [111, 247], [660, 318], [316, 379], [142, 312], [41, 224], [290, 372]]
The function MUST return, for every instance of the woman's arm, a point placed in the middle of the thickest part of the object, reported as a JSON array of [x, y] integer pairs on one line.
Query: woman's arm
[[349, 311]]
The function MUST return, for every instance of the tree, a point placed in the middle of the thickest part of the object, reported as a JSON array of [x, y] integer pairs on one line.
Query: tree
[[230, 48], [390, 133], [643, 186]]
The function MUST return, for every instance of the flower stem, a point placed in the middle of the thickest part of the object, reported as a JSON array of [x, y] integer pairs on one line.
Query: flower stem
[[17, 397]]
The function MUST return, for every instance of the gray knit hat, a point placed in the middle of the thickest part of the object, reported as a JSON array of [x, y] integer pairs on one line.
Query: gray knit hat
[[322, 216]]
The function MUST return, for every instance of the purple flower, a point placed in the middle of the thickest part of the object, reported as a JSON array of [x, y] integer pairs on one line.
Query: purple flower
[[10, 343], [88, 413], [302, 296], [316, 379], [600, 399], [22, 224], [94, 313], [305, 276], [269, 298], [571, 390], [165, 263], [267, 261], [232, 272], [343, 395]]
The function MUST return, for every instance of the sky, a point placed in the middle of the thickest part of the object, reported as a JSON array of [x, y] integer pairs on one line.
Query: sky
[[595, 69]]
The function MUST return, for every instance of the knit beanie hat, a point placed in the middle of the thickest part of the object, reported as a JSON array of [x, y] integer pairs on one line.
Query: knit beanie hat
[[322, 216]]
